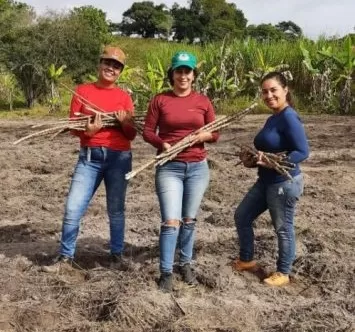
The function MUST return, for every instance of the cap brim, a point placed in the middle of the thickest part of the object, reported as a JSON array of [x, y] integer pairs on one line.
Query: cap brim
[[111, 58], [173, 67]]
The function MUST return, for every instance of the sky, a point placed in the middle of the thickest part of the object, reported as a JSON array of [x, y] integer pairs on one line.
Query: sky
[[315, 17]]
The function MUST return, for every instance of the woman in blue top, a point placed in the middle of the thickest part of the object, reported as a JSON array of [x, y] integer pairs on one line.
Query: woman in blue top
[[282, 132]]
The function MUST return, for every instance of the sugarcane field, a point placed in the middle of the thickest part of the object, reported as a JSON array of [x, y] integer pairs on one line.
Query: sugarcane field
[[35, 176]]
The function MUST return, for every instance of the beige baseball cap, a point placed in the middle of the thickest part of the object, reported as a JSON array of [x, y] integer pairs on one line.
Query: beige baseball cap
[[114, 53]]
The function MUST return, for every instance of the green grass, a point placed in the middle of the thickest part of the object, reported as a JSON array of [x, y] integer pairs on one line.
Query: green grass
[[37, 112]]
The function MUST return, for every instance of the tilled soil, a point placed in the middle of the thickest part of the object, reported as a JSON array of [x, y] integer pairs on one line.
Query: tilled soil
[[35, 177]]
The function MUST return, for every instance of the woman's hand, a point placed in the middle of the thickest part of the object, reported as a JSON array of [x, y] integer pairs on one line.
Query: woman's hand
[[123, 117], [262, 161], [92, 128], [203, 136], [247, 158], [166, 146]]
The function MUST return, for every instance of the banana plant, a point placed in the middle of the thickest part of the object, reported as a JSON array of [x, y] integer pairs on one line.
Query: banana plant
[[7, 88], [155, 77], [129, 79], [218, 74], [345, 67], [308, 62], [149, 83], [262, 67], [345, 60], [332, 74], [321, 69], [319, 62], [217, 85], [54, 74]]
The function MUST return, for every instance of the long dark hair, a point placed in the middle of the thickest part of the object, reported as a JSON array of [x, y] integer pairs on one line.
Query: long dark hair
[[279, 77], [170, 75]]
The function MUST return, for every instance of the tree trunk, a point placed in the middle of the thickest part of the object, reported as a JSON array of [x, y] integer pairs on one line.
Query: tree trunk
[[11, 101], [30, 100]]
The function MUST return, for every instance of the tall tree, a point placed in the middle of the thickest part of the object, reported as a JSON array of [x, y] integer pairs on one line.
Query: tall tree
[[25, 60], [165, 25], [187, 25], [290, 29], [219, 19], [146, 19], [96, 21], [55, 39], [263, 32], [13, 16]]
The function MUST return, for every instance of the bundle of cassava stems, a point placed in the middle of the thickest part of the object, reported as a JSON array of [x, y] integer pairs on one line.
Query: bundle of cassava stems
[[275, 161]]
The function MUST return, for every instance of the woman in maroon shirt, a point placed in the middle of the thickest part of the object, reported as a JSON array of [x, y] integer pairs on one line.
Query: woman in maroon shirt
[[182, 182]]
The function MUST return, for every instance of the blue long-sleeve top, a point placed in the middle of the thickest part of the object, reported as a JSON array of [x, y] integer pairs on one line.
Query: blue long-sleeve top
[[282, 132]]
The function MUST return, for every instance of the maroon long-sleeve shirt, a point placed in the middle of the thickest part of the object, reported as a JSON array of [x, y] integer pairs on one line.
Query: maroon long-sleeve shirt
[[170, 118]]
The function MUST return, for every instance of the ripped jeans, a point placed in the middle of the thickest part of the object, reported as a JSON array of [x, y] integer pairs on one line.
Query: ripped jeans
[[280, 199], [180, 187]]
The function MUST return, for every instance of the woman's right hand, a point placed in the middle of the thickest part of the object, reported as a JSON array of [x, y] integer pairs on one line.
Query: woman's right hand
[[92, 128], [247, 158], [264, 162]]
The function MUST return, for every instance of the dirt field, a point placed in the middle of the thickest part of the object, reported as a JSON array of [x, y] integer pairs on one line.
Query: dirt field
[[35, 177]]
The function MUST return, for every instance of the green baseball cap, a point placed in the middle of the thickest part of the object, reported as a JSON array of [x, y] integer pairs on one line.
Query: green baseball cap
[[183, 59]]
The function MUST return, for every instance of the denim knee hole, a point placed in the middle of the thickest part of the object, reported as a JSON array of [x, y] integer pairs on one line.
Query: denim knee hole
[[171, 223], [189, 223]]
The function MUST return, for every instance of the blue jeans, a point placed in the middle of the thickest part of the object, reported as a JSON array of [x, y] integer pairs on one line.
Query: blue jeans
[[180, 187], [280, 199], [94, 165]]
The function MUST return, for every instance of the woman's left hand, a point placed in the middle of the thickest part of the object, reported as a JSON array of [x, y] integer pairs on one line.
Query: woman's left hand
[[166, 146], [123, 116], [203, 136]]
